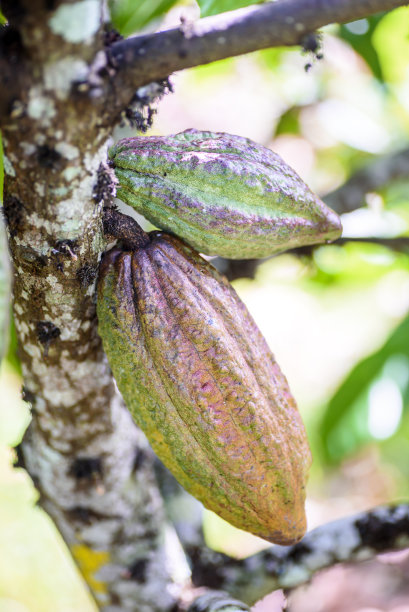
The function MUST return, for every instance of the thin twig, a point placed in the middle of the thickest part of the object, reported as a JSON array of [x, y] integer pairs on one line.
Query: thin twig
[[247, 268], [398, 243], [351, 195]]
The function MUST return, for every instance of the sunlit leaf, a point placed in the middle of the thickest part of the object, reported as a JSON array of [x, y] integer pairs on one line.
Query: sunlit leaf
[[129, 16], [289, 122], [214, 7], [1, 170], [346, 423], [355, 264], [11, 355], [213, 72], [272, 57], [391, 41]]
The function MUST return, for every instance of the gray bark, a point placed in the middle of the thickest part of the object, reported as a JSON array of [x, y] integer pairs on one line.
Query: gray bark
[[91, 465], [371, 177], [351, 539]]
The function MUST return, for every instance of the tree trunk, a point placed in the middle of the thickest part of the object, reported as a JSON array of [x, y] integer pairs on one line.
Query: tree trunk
[[91, 465]]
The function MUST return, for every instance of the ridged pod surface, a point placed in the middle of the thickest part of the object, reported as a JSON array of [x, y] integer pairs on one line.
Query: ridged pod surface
[[222, 194], [200, 380]]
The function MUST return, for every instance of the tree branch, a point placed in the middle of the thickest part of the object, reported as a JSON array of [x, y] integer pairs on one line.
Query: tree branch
[[351, 539], [143, 59], [247, 268], [351, 195], [399, 244]]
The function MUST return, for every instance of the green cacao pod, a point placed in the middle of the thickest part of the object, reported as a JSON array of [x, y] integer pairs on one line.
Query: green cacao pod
[[201, 382], [222, 194]]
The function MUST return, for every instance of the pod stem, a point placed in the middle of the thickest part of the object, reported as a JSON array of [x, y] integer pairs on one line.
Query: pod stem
[[125, 228]]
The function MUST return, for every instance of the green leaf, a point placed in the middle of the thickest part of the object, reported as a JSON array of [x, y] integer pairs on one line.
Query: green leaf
[[345, 423], [391, 41], [129, 16], [214, 7], [11, 355], [289, 121], [3, 20], [1, 170]]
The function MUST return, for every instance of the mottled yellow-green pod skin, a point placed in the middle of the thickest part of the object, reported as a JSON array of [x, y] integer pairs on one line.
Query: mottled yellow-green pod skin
[[222, 194], [201, 382]]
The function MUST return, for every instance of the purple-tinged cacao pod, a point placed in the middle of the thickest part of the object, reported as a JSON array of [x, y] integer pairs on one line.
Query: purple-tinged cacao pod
[[201, 382], [222, 194]]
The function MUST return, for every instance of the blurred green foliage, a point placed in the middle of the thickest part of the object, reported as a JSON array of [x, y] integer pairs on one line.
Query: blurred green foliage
[[11, 353], [346, 422], [391, 41], [1, 170], [354, 417], [129, 16]]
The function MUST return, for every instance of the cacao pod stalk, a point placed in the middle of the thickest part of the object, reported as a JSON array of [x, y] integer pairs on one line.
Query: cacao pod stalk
[[224, 195], [201, 382]]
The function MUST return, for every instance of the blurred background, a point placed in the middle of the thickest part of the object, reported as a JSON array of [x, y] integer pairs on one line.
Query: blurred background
[[336, 317]]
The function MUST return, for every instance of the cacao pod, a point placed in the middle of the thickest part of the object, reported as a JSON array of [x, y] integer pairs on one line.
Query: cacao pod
[[201, 382], [222, 194]]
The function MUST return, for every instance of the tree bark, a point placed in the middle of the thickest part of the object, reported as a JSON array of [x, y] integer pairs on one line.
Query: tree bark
[[91, 465], [372, 177], [354, 538]]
